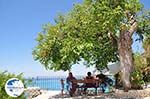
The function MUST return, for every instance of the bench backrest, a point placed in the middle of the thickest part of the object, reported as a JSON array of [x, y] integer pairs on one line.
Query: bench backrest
[[90, 81]]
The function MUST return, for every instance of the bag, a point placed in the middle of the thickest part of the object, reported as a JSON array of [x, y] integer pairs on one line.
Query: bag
[[109, 81]]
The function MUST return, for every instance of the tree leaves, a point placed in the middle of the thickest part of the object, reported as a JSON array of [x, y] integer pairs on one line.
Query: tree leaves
[[83, 34]]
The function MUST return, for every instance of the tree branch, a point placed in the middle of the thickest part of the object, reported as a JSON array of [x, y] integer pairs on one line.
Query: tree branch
[[114, 38], [133, 24], [133, 28]]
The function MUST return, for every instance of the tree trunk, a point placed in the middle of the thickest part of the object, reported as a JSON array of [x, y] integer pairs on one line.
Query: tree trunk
[[125, 53], [126, 58], [124, 43]]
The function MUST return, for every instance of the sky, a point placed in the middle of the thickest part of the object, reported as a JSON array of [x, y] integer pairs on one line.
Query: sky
[[20, 22]]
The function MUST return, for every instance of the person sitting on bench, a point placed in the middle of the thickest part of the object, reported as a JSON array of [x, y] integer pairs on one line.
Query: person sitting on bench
[[89, 82], [71, 86]]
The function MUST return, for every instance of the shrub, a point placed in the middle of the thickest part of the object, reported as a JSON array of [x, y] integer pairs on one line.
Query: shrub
[[137, 79], [4, 76]]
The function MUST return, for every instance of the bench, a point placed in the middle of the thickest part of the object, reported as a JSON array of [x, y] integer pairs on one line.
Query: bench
[[90, 83]]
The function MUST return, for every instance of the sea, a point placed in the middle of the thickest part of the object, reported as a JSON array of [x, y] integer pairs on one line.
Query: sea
[[47, 83]]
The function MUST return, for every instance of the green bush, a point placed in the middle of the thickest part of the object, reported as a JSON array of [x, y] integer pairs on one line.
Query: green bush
[[4, 76], [137, 78], [140, 74]]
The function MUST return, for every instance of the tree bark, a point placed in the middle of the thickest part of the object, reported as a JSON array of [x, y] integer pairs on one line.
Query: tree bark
[[124, 43], [126, 60], [125, 55]]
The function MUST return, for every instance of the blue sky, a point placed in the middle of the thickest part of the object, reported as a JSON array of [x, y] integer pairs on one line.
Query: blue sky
[[20, 22]]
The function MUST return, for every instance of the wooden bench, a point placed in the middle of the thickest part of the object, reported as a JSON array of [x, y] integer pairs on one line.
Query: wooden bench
[[80, 84], [90, 83]]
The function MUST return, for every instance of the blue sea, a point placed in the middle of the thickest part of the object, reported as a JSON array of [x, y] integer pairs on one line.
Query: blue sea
[[48, 83], [45, 83]]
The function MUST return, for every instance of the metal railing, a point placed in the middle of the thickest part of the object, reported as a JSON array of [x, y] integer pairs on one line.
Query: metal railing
[[47, 83]]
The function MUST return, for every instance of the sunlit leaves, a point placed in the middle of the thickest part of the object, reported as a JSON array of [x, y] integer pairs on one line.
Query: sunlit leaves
[[83, 34], [144, 22]]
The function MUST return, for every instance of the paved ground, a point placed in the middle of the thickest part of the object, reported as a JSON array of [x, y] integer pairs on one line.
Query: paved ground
[[119, 94]]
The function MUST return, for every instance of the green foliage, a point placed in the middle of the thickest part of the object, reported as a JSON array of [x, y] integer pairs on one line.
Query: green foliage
[[146, 46], [137, 77], [4, 76], [144, 23], [146, 70], [139, 65], [83, 34], [138, 61]]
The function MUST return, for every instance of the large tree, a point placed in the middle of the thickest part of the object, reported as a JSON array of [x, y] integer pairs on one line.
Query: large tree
[[96, 31]]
